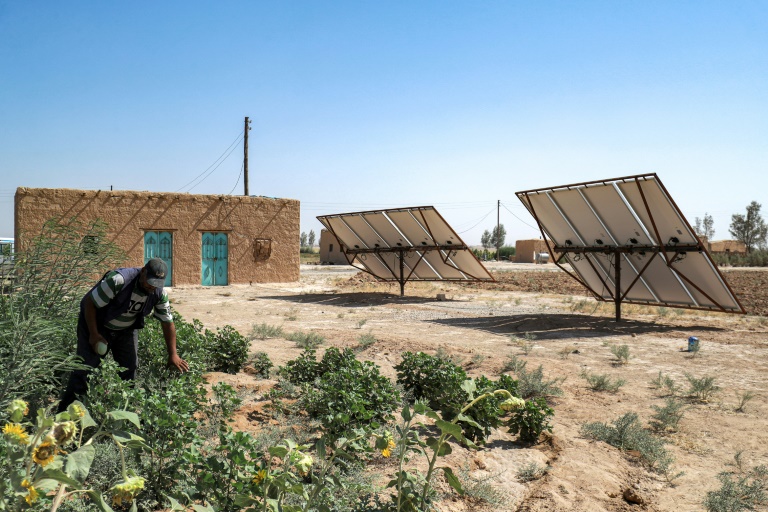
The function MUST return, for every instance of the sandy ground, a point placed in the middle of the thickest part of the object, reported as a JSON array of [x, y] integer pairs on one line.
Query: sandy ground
[[572, 333]]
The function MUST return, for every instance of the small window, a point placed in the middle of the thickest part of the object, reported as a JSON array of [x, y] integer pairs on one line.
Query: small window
[[262, 249], [330, 249]]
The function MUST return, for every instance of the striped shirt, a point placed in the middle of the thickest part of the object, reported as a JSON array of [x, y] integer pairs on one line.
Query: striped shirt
[[111, 285]]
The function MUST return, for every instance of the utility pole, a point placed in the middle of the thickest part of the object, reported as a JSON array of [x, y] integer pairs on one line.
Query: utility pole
[[245, 156], [498, 230]]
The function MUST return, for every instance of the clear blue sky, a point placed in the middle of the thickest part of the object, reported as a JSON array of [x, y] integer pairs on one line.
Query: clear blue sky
[[363, 105]]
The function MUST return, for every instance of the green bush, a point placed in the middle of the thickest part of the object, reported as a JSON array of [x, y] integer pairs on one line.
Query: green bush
[[668, 416], [701, 389], [349, 394], [303, 369], [433, 379], [264, 331], [530, 421], [262, 364], [532, 384], [306, 340], [229, 350]]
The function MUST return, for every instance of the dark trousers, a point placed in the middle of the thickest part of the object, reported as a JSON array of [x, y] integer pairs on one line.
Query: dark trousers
[[124, 346]]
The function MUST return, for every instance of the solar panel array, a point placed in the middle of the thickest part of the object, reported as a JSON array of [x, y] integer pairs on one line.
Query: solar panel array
[[405, 244], [634, 222]]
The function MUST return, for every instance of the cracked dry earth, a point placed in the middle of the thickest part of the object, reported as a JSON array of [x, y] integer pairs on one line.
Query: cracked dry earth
[[573, 333]]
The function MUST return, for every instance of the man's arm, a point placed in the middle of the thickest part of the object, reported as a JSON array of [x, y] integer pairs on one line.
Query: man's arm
[[169, 333], [90, 321]]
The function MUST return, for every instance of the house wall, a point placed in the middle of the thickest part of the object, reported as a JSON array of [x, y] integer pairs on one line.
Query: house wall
[[727, 246], [263, 233], [525, 249], [330, 249]]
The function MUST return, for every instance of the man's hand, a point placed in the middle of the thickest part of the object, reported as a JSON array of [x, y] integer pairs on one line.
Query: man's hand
[[94, 340], [179, 363]]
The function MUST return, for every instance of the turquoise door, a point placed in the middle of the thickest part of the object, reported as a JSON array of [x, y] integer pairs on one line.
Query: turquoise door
[[215, 259], [159, 244]]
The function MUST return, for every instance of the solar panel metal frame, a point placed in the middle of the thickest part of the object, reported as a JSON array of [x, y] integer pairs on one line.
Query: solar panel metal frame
[[605, 225], [404, 244]]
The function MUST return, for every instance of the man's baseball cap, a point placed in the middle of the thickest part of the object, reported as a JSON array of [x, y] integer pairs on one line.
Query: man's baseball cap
[[156, 272]]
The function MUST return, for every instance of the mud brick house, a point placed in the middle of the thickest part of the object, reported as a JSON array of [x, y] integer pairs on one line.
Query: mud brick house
[[330, 250], [205, 239], [526, 250]]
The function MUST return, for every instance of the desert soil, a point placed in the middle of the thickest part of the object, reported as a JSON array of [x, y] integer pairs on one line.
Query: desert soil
[[573, 333]]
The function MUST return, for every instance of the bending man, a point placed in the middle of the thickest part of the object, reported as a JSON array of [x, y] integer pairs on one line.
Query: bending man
[[112, 313]]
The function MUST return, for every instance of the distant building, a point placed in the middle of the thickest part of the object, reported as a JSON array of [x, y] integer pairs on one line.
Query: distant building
[[727, 247], [527, 251], [204, 239], [330, 250]]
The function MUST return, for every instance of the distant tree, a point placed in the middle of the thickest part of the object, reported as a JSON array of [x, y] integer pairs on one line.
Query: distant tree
[[485, 240], [311, 238], [705, 227], [498, 235], [303, 239], [749, 228]]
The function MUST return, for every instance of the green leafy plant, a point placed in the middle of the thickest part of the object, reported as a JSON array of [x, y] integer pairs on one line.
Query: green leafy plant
[[531, 420], [303, 369], [602, 382], [48, 460], [262, 365], [433, 379], [349, 394]]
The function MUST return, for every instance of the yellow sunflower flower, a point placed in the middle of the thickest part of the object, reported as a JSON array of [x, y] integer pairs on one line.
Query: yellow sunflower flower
[[31, 492], [260, 476], [64, 432], [76, 411], [15, 433], [44, 453]]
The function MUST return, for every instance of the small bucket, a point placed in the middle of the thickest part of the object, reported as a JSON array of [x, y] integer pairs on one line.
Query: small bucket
[[693, 344]]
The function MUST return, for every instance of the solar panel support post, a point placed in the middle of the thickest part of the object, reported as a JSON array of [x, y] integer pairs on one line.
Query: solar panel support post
[[617, 296], [402, 272]]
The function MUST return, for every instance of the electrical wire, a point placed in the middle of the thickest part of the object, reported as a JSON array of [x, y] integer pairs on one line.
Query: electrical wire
[[230, 148], [478, 222], [518, 218], [242, 168]]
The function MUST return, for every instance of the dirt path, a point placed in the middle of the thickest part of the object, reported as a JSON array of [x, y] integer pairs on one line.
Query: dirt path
[[572, 334]]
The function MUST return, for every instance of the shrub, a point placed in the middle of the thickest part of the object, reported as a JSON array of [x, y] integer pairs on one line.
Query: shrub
[[626, 433], [739, 492], [743, 399], [667, 417], [366, 340], [701, 389], [306, 340], [531, 471], [666, 384], [303, 369], [433, 379], [531, 420], [526, 342], [621, 353], [532, 384], [264, 331], [262, 365], [349, 394], [602, 382], [229, 350]]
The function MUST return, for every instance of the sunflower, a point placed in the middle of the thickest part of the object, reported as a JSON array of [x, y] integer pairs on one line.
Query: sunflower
[[44, 453], [386, 452], [15, 432], [64, 432], [31, 492], [260, 476], [124, 492]]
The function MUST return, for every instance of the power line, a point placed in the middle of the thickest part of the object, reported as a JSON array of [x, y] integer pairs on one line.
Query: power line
[[478, 222], [518, 218], [238, 178], [230, 149]]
